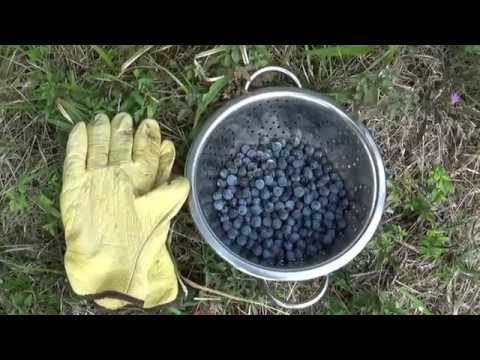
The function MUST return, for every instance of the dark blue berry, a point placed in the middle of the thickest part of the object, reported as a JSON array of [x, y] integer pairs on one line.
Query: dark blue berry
[[287, 230], [298, 253], [269, 207], [328, 223], [290, 255], [276, 224], [227, 225], [256, 209], [277, 234], [224, 218], [308, 198], [266, 233], [267, 221], [308, 173], [233, 170], [233, 213], [323, 191], [242, 171], [299, 191], [328, 238], [265, 194], [256, 222], [277, 191], [268, 243], [296, 214], [228, 194], [279, 206], [246, 230], [218, 205], [294, 237], [333, 188], [267, 254], [243, 182], [289, 204], [259, 184], [217, 195], [307, 224], [242, 240], [315, 205], [252, 154], [300, 244], [276, 146], [296, 178], [282, 163], [329, 215], [268, 180], [237, 162], [237, 223], [282, 181], [309, 150], [232, 234], [283, 214], [223, 173], [257, 250]]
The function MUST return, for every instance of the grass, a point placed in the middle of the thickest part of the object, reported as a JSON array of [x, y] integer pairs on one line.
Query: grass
[[425, 256]]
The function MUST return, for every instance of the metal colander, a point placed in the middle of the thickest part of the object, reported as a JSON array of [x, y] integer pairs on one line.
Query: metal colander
[[282, 112]]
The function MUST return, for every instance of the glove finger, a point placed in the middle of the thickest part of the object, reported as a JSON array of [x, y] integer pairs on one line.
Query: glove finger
[[165, 165], [146, 148], [76, 154], [121, 142], [163, 203], [98, 142]]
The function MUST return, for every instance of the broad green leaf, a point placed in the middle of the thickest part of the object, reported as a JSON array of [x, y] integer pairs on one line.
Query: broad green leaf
[[46, 205], [339, 51], [213, 92]]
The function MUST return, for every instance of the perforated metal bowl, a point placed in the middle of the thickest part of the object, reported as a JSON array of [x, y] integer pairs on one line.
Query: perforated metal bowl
[[282, 112]]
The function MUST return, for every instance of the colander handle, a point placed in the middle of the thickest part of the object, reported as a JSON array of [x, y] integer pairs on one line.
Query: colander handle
[[272, 69], [296, 306]]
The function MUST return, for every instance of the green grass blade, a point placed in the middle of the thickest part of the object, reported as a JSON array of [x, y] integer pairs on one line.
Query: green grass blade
[[103, 54], [340, 51], [390, 54]]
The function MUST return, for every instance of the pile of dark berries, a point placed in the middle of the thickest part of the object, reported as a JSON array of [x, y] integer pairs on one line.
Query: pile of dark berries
[[280, 202]]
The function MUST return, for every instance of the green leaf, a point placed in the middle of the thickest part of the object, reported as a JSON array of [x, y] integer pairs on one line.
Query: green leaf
[[416, 302], [472, 49], [390, 54], [210, 96], [46, 205], [213, 92], [235, 55], [103, 54], [340, 51]]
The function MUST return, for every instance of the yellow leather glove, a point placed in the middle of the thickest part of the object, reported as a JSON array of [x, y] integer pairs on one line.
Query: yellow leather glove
[[116, 207]]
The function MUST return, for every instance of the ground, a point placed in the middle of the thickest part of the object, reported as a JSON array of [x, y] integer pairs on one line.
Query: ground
[[424, 258]]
